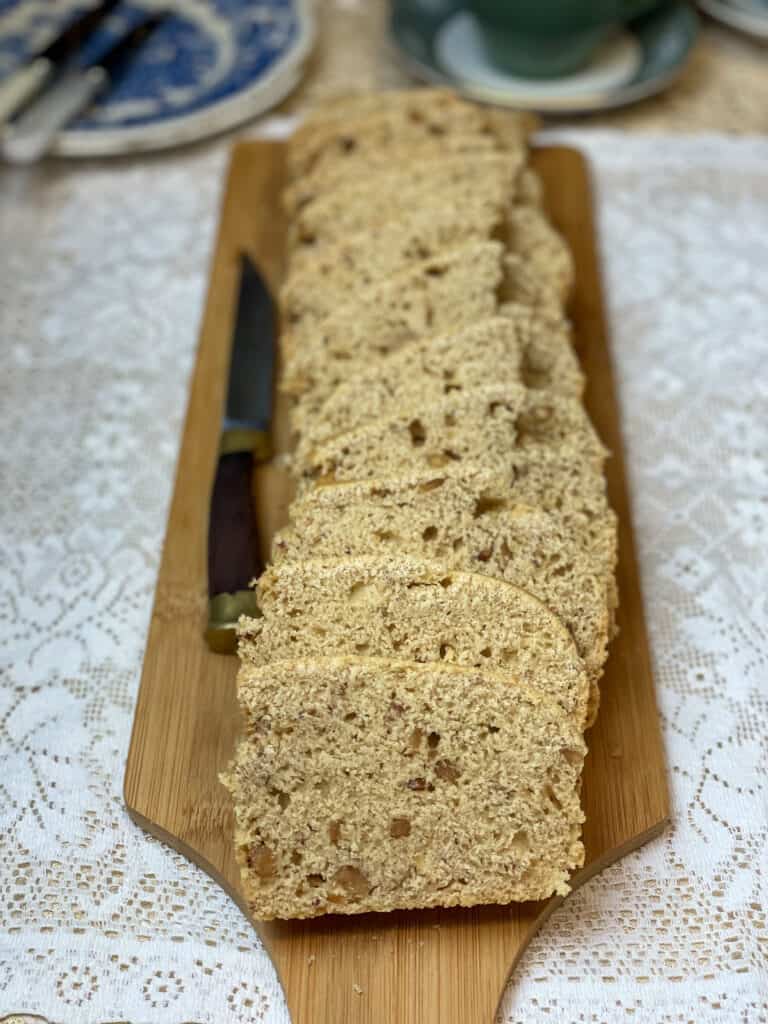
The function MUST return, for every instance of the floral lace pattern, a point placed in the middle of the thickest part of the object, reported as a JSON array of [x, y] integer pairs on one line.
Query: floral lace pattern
[[104, 272]]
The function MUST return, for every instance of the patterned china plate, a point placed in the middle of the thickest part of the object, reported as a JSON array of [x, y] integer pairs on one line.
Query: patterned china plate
[[440, 42], [211, 65]]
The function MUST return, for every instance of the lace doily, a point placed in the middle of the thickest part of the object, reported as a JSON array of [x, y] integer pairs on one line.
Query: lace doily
[[104, 272]]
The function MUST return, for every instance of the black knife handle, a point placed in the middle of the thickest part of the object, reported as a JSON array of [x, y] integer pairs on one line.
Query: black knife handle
[[233, 549], [232, 538]]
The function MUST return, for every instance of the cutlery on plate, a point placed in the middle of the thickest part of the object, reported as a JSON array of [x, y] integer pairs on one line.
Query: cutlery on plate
[[26, 82], [233, 548], [31, 134]]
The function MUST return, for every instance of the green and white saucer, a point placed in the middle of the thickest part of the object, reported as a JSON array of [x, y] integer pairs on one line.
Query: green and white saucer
[[441, 43], [749, 16]]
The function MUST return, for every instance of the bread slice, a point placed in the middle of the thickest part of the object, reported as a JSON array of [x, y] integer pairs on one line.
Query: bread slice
[[321, 156], [320, 277], [370, 155], [531, 236], [530, 189], [457, 287], [367, 785], [512, 127], [481, 427], [319, 281], [522, 285], [403, 607], [525, 546], [517, 348], [356, 103], [314, 146], [421, 371], [549, 361], [397, 191], [468, 503]]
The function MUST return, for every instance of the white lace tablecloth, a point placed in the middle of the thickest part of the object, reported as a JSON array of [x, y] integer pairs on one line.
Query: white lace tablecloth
[[103, 273]]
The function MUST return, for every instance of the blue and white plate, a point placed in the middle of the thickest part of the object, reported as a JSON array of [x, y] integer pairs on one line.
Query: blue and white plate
[[211, 65], [441, 43]]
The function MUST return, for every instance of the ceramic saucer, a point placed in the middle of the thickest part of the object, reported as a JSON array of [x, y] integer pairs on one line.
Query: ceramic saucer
[[211, 65], [441, 43], [749, 16]]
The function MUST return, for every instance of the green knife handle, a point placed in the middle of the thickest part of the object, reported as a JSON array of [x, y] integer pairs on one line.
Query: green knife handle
[[233, 550]]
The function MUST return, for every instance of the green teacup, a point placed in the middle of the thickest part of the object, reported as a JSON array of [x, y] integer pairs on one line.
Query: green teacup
[[550, 38]]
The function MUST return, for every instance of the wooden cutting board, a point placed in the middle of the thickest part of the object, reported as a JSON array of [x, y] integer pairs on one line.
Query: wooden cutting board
[[433, 967]]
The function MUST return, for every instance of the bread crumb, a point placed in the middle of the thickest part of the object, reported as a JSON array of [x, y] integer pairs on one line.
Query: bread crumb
[[310, 960], [358, 990]]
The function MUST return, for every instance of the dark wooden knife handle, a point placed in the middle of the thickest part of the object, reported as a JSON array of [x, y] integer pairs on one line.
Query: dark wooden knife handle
[[233, 544]]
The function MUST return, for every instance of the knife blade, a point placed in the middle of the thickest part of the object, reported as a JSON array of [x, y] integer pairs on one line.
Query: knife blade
[[233, 548], [31, 135], [26, 82]]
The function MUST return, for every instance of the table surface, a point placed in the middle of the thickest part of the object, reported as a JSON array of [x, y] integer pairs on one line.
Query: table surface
[[104, 269]]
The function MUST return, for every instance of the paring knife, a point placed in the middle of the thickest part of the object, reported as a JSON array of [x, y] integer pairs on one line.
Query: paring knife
[[233, 548], [24, 84], [31, 135]]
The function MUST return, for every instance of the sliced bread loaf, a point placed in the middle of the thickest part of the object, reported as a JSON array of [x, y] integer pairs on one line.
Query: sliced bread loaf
[[481, 427], [367, 785], [405, 607], [438, 295]]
